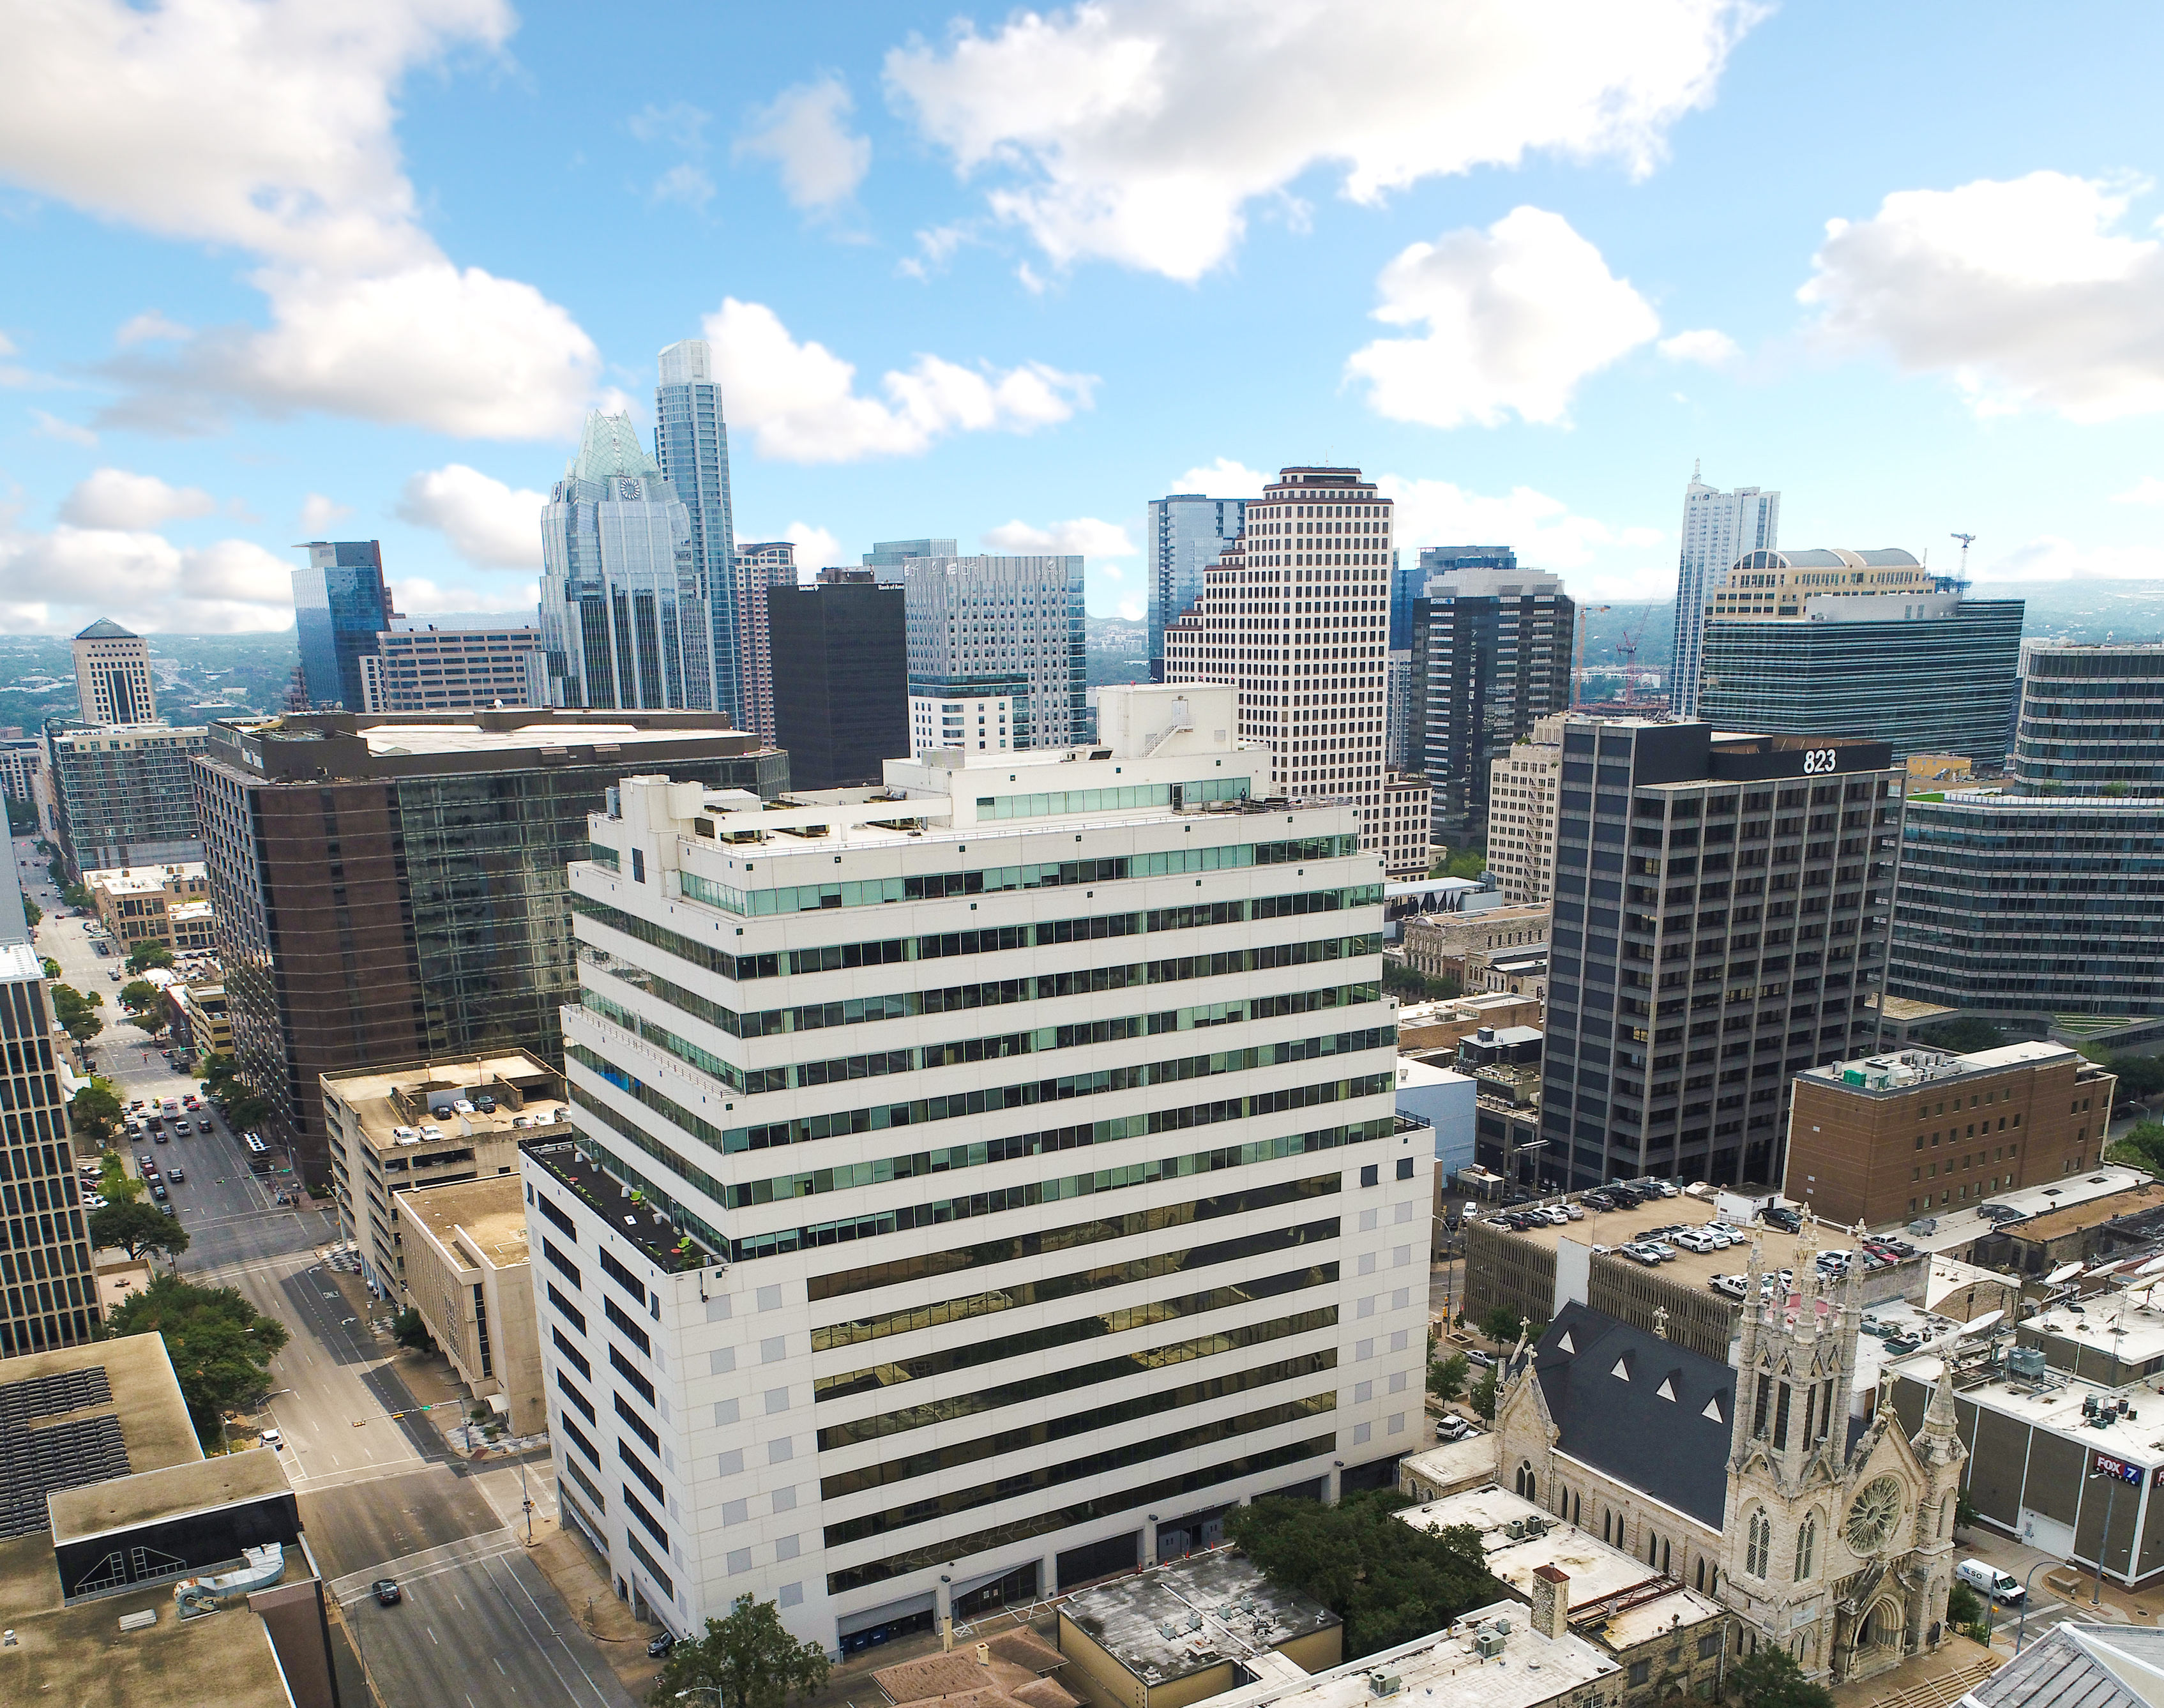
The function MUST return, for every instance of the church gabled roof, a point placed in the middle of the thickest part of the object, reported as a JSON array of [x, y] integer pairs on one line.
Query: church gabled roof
[[105, 628], [1646, 1411]]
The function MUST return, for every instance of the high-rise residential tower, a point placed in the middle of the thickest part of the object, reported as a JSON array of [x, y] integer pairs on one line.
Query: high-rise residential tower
[[1866, 644], [50, 1297], [454, 669], [624, 618], [340, 605], [763, 567], [1490, 656], [894, 1349], [391, 889], [1295, 616], [1188, 532], [1721, 905], [113, 676], [119, 794], [1718, 528], [979, 618], [691, 446]]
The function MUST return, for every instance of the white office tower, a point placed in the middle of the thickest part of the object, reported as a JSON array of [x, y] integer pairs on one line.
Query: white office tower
[[990, 715], [980, 621], [113, 676], [1295, 616], [848, 1306], [623, 620], [1188, 532], [1718, 528], [691, 446], [1523, 782]]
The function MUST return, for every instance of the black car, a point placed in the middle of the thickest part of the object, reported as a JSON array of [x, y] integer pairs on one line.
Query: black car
[[1785, 1220], [661, 1646], [386, 1592]]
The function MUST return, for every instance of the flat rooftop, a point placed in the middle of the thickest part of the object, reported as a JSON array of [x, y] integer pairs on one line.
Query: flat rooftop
[[1893, 1071], [144, 1401], [1476, 1458], [488, 1214], [1959, 1229], [171, 1492], [467, 737], [645, 1225], [1218, 1604], [1527, 1670], [1597, 1572], [370, 1095], [2054, 1401], [2127, 1323], [2078, 1218]]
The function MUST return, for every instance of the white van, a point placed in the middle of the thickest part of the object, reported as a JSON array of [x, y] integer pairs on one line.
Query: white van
[[1989, 1580]]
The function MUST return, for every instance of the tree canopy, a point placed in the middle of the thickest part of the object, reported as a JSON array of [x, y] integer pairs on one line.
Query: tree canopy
[[147, 952], [1387, 1580], [1963, 1035], [1484, 1395], [221, 1345], [1770, 1678], [94, 1113], [1446, 1377], [2141, 1146], [137, 994], [1401, 980], [749, 1657], [78, 1013], [138, 1229]]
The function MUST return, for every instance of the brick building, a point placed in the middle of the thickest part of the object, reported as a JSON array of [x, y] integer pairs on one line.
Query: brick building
[[1890, 1137]]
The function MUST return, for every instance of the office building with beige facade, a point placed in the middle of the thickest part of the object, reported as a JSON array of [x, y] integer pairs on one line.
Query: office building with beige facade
[[1447, 945], [468, 1274], [419, 1124], [1522, 785], [1886, 1137], [167, 904]]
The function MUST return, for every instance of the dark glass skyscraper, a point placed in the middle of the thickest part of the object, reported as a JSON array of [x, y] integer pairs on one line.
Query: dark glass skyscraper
[[691, 445], [340, 605], [842, 706], [1408, 579]]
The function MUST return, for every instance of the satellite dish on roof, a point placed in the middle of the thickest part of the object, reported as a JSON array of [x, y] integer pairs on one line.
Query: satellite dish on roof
[[2065, 1272], [1982, 1322], [2154, 1266]]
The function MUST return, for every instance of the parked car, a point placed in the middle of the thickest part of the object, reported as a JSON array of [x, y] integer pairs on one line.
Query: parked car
[[1732, 1286], [486, 1104], [1989, 1581], [1691, 1240], [166, 1208], [1453, 1428], [1571, 1212], [158, 1190], [659, 1648], [1787, 1221], [1474, 1355], [1642, 1254], [1661, 1249]]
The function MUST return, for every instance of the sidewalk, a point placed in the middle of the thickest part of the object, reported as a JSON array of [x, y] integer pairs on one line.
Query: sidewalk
[[2117, 1606]]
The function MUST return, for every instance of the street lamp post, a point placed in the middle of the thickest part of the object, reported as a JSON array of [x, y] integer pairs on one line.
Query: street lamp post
[[2104, 1542], [2027, 1582]]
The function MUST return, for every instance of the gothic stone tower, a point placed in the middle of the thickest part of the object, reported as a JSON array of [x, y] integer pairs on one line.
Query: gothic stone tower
[[1839, 1552]]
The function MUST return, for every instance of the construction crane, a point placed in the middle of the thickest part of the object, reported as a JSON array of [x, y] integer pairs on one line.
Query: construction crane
[[1578, 675], [1966, 541], [1626, 649]]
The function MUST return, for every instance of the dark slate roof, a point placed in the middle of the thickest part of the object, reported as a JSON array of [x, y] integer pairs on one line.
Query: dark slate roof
[[1661, 1425], [105, 628], [2078, 1666]]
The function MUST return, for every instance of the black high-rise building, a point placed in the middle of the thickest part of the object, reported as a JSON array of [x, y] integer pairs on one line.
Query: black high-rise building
[[841, 677], [1722, 910]]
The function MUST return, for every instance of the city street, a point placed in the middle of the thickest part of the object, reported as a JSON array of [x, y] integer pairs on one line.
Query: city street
[[480, 1627]]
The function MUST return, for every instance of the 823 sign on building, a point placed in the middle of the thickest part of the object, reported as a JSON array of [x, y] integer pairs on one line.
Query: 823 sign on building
[[1819, 760]]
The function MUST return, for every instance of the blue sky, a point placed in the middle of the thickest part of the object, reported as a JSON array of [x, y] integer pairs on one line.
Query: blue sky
[[307, 268]]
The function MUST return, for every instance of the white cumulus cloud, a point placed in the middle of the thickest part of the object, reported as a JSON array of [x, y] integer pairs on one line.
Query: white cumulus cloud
[[1544, 531], [115, 498], [1222, 478], [1141, 133], [268, 126], [804, 131], [1085, 535], [1706, 346], [55, 583], [815, 548], [48, 426], [801, 403], [2026, 292], [2148, 490], [319, 513], [1515, 316], [490, 524]]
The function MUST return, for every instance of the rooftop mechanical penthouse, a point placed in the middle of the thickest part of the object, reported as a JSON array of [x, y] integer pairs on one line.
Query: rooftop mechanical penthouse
[[974, 1177]]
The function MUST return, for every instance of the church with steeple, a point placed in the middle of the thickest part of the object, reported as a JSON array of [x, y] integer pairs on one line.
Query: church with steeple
[[1768, 1482]]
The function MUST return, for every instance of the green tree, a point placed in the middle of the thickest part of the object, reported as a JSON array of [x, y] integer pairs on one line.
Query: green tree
[[2141, 1146], [51, 966], [115, 1184], [73, 894], [1484, 1396], [1963, 1035], [78, 1013], [1387, 1580], [409, 1330], [1446, 1377], [22, 815], [138, 1229], [32, 913], [221, 1345], [1771, 1678], [749, 1657], [217, 1070], [94, 1113], [1460, 863], [137, 994], [147, 954], [1501, 1325], [1965, 1513]]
